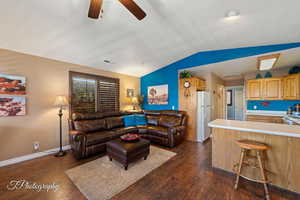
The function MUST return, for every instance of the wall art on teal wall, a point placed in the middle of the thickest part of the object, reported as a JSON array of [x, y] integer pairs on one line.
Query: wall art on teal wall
[[158, 95]]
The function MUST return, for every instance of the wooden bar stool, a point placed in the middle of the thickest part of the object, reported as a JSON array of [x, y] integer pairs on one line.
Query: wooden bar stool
[[247, 146]]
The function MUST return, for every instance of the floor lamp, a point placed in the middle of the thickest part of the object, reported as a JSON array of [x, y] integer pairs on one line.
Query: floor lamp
[[61, 102]]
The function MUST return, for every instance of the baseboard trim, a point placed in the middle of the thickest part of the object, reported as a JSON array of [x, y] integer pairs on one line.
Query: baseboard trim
[[31, 156]]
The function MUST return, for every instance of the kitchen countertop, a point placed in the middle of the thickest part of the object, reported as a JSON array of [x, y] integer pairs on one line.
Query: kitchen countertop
[[266, 113], [257, 127]]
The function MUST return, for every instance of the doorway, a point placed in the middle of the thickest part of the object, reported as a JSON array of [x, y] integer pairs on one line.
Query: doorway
[[235, 103]]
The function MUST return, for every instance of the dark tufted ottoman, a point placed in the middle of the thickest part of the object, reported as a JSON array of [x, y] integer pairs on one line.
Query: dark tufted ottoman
[[127, 152]]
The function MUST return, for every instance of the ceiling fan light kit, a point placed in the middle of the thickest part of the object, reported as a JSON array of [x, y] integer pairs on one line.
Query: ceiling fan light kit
[[132, 7], [232, 14]]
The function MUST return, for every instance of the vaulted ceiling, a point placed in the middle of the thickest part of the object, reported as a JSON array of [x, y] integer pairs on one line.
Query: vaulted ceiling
[[172, 30], [234, 69]]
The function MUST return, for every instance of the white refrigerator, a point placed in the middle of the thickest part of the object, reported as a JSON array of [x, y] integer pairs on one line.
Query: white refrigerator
[[203, 115]]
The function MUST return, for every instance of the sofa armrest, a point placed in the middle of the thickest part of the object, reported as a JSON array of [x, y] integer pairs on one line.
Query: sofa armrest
[[177, 130], [77, 135], [78, 143], [176, 135]]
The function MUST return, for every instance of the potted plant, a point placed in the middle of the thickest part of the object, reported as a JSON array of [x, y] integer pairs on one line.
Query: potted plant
[[185, 74]]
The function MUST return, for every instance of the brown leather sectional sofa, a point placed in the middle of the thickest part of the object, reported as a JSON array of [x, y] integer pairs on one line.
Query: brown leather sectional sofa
[[89, 132]]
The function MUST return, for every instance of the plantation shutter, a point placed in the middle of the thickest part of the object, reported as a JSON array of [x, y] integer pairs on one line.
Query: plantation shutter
[[92, 93], [108, 95]]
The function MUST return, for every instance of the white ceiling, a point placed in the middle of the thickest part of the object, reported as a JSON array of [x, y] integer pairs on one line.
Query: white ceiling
[[173, 29], [235, 69]]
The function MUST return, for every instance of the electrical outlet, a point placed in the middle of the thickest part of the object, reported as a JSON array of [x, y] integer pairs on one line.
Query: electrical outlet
[[36, 146]]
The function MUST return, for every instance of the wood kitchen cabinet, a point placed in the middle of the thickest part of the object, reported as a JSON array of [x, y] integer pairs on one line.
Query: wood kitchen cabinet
[[272, 88], [254, 89], [264, 89], [291, 87], [201, 86]]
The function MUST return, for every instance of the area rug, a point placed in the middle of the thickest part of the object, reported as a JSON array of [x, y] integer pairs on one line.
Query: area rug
[[101, 179]]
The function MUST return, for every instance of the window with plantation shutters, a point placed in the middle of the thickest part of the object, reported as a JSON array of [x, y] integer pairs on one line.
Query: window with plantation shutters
[[92, 93], [108, 93]]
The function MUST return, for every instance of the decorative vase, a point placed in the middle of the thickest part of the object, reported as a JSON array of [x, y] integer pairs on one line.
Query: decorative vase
[[258, 76], [294, 70], [268, 75]]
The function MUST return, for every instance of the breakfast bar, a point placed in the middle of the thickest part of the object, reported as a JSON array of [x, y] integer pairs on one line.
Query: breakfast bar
[[282, 160]]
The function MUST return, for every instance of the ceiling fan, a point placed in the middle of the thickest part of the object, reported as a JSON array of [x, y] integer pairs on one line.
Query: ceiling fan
[[96, 6]]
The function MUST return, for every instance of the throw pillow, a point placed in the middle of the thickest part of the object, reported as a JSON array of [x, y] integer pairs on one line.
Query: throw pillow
[[140, 120], [129, 120]]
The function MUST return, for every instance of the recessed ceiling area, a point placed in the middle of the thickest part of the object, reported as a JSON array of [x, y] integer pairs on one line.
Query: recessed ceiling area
[[172, 30], [235, 69]]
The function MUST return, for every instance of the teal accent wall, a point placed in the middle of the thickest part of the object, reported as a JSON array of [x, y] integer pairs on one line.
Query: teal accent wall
[[169, 74]]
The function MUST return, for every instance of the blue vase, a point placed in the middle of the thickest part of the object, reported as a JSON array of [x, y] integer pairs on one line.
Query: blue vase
[[268, 75], [258, 76], [294, 70]]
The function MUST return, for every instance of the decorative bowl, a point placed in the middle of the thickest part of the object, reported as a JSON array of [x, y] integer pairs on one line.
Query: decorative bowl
[[130, 137]]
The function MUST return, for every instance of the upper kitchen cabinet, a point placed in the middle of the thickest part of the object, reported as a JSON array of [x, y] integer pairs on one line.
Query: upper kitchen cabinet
[[254, 89], [264, 89], [291, 87], [201, 85], [272, 88], [287, 88]]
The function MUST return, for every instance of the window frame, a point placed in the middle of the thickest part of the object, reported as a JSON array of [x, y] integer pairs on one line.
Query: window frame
[[97, 78]]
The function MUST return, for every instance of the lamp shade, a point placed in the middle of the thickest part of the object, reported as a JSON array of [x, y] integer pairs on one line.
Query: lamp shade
[[61, 101], [134, 100]]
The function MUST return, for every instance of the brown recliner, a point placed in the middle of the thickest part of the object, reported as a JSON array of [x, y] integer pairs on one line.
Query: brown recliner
[[165, 127], [89, 132]]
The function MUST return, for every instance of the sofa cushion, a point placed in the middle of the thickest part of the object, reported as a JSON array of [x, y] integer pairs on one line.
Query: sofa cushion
[[94, 115], [90, 125], [152, 120], [157, 131], [140, 120], [142, 129], [87, 116], [125, 130], [129, 120], [174, 113], [169, 121], [114, 122], [100, 137]]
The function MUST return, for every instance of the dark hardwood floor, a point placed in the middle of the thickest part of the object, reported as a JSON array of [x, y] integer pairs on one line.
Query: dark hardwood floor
[[187, 176]]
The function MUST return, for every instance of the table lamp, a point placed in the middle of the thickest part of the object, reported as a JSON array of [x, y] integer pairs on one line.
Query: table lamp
[[135, 102], [61, 102]]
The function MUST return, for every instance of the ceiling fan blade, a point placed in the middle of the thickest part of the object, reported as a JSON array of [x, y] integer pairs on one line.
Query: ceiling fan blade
[[134, 9], [95, 8]]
